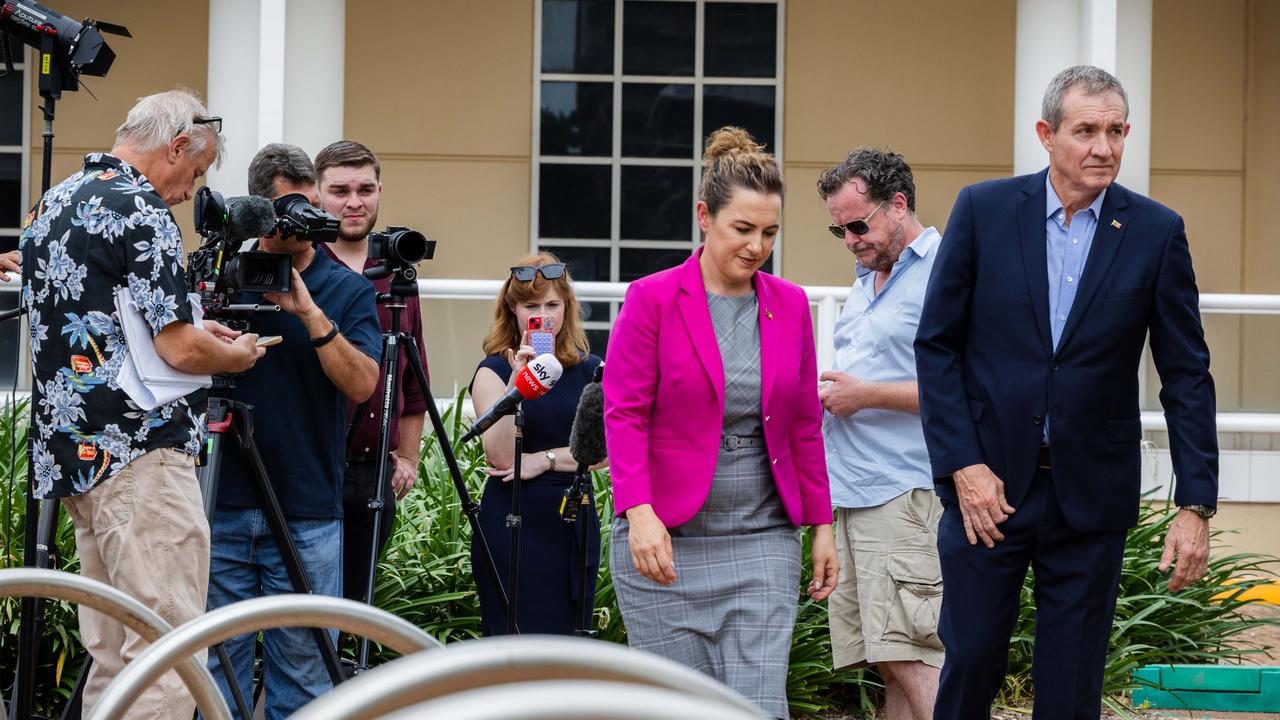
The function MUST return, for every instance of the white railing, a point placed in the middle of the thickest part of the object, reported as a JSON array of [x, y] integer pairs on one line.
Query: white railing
[[827, 301]]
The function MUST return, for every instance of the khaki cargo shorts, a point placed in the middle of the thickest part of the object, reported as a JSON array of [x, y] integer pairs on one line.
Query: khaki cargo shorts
[[885, 607]]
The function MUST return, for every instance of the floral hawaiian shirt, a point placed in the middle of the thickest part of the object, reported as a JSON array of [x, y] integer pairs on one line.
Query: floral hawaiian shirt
[[99, 230]]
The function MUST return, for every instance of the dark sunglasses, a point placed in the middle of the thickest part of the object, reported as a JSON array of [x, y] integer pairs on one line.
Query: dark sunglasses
[[216, 122], [525, 273], [857, 227]]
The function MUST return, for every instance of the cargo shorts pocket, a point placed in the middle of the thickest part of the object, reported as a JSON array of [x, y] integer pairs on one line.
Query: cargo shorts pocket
[[917, 580]]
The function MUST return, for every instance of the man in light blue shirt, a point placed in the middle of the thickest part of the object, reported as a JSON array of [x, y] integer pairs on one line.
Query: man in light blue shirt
[[884, 610]]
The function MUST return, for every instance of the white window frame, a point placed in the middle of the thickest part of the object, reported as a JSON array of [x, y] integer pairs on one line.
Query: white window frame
[[616, 161]]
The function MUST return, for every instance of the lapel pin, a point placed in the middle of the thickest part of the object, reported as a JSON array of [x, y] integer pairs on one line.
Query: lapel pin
[[1115, 224], [768, 313]]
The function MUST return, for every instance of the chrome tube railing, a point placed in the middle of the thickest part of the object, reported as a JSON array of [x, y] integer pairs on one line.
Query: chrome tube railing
[[253, 615], [527, 660], [117, 605], [570, 700]]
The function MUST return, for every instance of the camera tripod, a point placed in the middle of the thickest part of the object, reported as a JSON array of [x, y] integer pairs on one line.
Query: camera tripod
[[403, 286], [232, 416]]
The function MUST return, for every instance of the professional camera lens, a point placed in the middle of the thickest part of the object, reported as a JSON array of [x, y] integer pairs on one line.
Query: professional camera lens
[[297, 218], [401, 246]]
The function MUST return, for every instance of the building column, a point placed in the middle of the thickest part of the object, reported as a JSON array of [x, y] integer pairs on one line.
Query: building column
[[1114, 35], [276, 74]]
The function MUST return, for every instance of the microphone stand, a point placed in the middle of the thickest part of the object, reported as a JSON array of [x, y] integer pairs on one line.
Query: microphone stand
[[586, 605], [514, 522]]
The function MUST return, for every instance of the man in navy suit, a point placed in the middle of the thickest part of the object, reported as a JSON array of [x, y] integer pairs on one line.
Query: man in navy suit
[[1028, 353]]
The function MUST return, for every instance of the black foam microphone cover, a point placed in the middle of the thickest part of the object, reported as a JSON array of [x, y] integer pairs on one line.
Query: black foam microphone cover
[[586, 437], [249, 216]]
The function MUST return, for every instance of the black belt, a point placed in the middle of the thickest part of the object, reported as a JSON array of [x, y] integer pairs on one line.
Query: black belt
[[733, 442], [1043, 461]]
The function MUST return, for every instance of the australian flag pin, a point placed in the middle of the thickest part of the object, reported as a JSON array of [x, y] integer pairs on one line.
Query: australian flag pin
[[1115, 224]]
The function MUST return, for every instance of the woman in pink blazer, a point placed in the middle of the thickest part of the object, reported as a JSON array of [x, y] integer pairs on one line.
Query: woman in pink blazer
[[714, 434]]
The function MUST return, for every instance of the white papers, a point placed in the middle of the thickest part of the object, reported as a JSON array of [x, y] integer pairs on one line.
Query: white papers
[[145, 377]]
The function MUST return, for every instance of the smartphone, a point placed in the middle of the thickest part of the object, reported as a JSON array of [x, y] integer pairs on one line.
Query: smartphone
[[269, 340], [540, 335]]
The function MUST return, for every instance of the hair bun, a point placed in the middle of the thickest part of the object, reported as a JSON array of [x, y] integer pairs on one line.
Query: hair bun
[[729, 140]]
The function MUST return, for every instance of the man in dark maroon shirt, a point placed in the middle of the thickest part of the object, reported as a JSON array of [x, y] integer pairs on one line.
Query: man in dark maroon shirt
[[349, 190]]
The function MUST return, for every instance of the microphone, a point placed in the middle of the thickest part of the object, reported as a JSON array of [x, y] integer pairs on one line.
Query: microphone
[[586, 444], [533, 381], [586, 437], [249, 216]]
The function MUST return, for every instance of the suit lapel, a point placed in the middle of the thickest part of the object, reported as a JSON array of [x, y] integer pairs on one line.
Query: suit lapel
[[697, 319], [769, 318], [1113, 220], [1032, 236]]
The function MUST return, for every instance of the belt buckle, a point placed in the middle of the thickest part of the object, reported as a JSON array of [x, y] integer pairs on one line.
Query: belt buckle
[[728, 442]]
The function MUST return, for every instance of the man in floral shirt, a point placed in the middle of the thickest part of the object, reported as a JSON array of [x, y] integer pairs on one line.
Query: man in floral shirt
[[125, 475]]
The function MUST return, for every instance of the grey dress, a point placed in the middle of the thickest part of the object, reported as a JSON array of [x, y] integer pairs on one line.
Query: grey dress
[[732, 609]]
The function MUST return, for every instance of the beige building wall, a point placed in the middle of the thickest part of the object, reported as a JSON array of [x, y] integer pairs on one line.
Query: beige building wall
[[952, 120], [169, 49], [450, 116]]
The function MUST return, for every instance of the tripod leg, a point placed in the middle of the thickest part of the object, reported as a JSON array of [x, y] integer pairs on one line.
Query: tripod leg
[[391, 365], [469, 506], [243, 424]]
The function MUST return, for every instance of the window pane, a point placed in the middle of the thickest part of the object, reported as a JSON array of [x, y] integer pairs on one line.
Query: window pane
[[657, 38], [577, 36], [9, 339], [635, 263], [573, 201], [741, 40], [11, 108], [587, 264], [577, 118], [657, 203], [747, 106], [599, 341], [657, 120], [11, 210]]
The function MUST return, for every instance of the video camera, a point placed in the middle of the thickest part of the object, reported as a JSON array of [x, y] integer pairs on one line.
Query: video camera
[[219, 270], [399, 249]]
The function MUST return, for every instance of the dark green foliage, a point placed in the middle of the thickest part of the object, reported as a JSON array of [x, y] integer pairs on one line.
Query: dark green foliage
[[425, 577]]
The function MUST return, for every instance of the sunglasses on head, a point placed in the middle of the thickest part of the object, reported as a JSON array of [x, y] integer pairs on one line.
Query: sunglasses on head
[[525, 273], [857, 227]]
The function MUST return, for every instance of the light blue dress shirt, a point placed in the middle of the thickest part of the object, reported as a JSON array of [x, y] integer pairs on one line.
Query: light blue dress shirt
[[1066, 250], [873, 456]]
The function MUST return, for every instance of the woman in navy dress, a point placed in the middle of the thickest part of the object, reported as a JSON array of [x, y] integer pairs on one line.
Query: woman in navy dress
[[549, 562]]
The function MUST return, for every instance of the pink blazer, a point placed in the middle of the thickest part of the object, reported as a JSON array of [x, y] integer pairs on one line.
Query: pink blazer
[[664, 397]]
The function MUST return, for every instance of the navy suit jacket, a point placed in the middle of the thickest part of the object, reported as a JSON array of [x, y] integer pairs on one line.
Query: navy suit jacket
[[989, 376]]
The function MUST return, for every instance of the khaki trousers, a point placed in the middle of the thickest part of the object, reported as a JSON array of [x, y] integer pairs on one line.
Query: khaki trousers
[[143, 531]]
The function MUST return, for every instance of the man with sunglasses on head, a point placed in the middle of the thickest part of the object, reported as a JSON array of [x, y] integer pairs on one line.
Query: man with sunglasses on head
[[884, 611], [302, 392], [350, 190]]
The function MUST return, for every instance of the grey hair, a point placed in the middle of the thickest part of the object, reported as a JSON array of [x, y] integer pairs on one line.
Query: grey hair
[[885, 172], [279, 159], [1091, 81], [157, 119]]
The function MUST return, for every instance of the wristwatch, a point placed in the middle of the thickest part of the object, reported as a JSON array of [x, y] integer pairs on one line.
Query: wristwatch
[[333, 333], [1204, 511], [551, 458]]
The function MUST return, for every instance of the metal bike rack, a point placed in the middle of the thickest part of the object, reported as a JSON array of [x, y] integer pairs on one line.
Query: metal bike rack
[[522, 660], [277, 611], [117, 605], [572, 700]]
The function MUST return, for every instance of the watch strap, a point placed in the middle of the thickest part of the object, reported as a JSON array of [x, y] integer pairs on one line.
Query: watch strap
[[333, 333]]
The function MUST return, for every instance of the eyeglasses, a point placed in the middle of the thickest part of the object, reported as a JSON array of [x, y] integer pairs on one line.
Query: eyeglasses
[[525, 273], [216, 122], [857, 227]]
